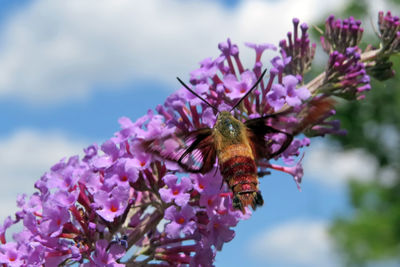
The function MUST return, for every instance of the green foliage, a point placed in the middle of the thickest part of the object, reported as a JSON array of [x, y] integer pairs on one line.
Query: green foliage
[[373, 232], [356, 8], [397, 2]]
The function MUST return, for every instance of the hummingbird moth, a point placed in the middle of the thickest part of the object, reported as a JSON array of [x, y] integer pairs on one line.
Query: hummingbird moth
[[237, 145]]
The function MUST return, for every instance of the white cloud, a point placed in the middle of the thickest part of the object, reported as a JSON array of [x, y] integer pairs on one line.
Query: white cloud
[[53, 50], [296, 243], [24, 157], [332, 166]]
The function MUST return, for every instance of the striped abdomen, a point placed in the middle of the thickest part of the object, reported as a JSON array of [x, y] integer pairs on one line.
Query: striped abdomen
[[239, 170]]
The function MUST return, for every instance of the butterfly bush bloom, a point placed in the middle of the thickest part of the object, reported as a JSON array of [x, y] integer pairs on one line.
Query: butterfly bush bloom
[[122, 206], [179, 193], [341, 34], [389, 27], [297, 48], [287, 93], [346, 76]]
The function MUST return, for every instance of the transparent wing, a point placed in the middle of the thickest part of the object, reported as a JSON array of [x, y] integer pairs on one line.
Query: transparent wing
[[267, 142], [194, 152]]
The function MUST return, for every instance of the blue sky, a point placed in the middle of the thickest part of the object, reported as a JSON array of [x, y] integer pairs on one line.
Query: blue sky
[[70, 69]]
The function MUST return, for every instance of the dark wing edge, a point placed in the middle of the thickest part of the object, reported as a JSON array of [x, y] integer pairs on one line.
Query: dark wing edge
[[193, 152], [257, 129]]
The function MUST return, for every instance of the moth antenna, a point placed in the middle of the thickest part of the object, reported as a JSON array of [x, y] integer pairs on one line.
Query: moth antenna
[[251, 89], [193, 92]]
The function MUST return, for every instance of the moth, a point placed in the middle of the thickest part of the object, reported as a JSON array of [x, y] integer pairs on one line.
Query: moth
[[238, 146]]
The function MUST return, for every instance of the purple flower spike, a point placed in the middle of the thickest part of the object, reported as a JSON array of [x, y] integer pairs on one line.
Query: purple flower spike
[[346, 76], [341, 34], [299, 49], [389, 28]]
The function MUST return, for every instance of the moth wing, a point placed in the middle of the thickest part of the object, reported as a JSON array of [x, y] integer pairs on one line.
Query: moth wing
[[194, 152], [315, 113], [266, 141]]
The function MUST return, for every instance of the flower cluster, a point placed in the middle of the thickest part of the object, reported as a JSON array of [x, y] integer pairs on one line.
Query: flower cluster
[[346, 75], [389, 28], [121, 205], [341, 34], [298, 49]]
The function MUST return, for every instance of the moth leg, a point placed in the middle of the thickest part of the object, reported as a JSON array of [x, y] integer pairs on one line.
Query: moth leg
[[261, 174], [258, 199], [236, 203]]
